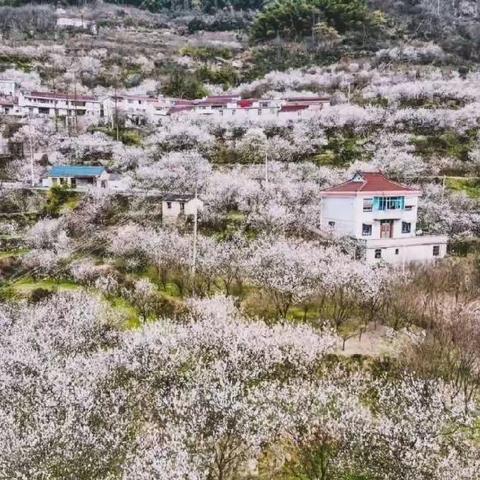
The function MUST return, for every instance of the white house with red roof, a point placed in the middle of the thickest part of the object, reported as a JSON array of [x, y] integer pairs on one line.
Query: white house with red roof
[[60, 104], [382, 216], [137, 109]]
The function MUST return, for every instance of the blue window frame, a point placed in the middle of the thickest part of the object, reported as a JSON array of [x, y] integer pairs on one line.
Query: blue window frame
[[389, 203]]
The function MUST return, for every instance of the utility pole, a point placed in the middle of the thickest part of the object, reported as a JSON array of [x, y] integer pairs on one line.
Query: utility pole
[[30, 142], [74, 106], [67, 120], [195, 239], [116, 111], [266, 168]]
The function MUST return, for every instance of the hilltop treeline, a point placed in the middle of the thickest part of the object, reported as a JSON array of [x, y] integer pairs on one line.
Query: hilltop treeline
[[158, 5]]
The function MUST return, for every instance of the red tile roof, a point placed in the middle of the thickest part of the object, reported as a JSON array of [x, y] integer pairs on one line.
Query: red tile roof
[[307, 99], [145, 98], [180, 108], [293, 108], [180, 101], [62, 96], [218, 100], [246, 103], [369, 182]]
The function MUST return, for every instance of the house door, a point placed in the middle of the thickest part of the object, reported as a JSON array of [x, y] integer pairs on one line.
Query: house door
[[73, 183], [386, 229]]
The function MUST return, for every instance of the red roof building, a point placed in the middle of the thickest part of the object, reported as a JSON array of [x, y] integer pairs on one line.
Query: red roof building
[[381, 215], [180, 109], [62, 96], [293, 108], [370, 183]]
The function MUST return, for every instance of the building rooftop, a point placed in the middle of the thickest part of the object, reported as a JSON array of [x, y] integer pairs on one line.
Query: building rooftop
[[180, 108], [178, 197], [62, 96], [218, 100], [144, 98], [81, 171], [215, 98], [307, 99], [293, 108], [370, 182]]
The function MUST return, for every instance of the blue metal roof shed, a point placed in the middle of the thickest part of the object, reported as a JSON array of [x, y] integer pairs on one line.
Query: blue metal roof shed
[[75, 171]]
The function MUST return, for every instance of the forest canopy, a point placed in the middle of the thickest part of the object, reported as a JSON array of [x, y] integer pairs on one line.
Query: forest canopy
[[294, 19], [158, 5]]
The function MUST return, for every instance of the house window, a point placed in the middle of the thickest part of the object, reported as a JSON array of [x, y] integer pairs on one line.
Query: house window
[[366, 230], [331, 224], [169, 205], [182, 207], [397, 251], [406, 227], [389, 203], [367, 204], [378, 253], [436, 250]]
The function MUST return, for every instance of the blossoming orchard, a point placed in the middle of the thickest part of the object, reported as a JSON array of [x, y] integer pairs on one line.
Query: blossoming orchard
[[239, 240]]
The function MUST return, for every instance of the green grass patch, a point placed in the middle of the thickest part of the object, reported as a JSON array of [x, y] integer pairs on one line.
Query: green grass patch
[[236, 216], [28, 285], [171, 290], [470, 186], [206, 53], [128, 311], [448, 144], [71, 204], [14, 253], [59, 197], [343, 149]]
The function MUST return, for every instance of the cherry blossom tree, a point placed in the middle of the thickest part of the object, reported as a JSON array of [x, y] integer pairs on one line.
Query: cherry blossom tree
[[56, 390], [286, 271], [176, 172], [235, 414]]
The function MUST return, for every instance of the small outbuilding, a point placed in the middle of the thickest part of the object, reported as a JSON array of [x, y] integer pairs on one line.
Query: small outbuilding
[[83, 177], [178, 206]]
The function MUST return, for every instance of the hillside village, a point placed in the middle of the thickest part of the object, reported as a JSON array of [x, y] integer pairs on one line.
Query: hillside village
[[239, 240], [137, 109]]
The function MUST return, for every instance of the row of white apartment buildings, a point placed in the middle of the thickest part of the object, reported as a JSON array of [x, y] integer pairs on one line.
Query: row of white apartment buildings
[[139, 109]]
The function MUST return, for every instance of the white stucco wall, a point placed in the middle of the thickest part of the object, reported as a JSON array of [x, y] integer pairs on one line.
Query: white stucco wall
[[421, 252], [373, 218], [59, 106], [340, 210], [175, 210]]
